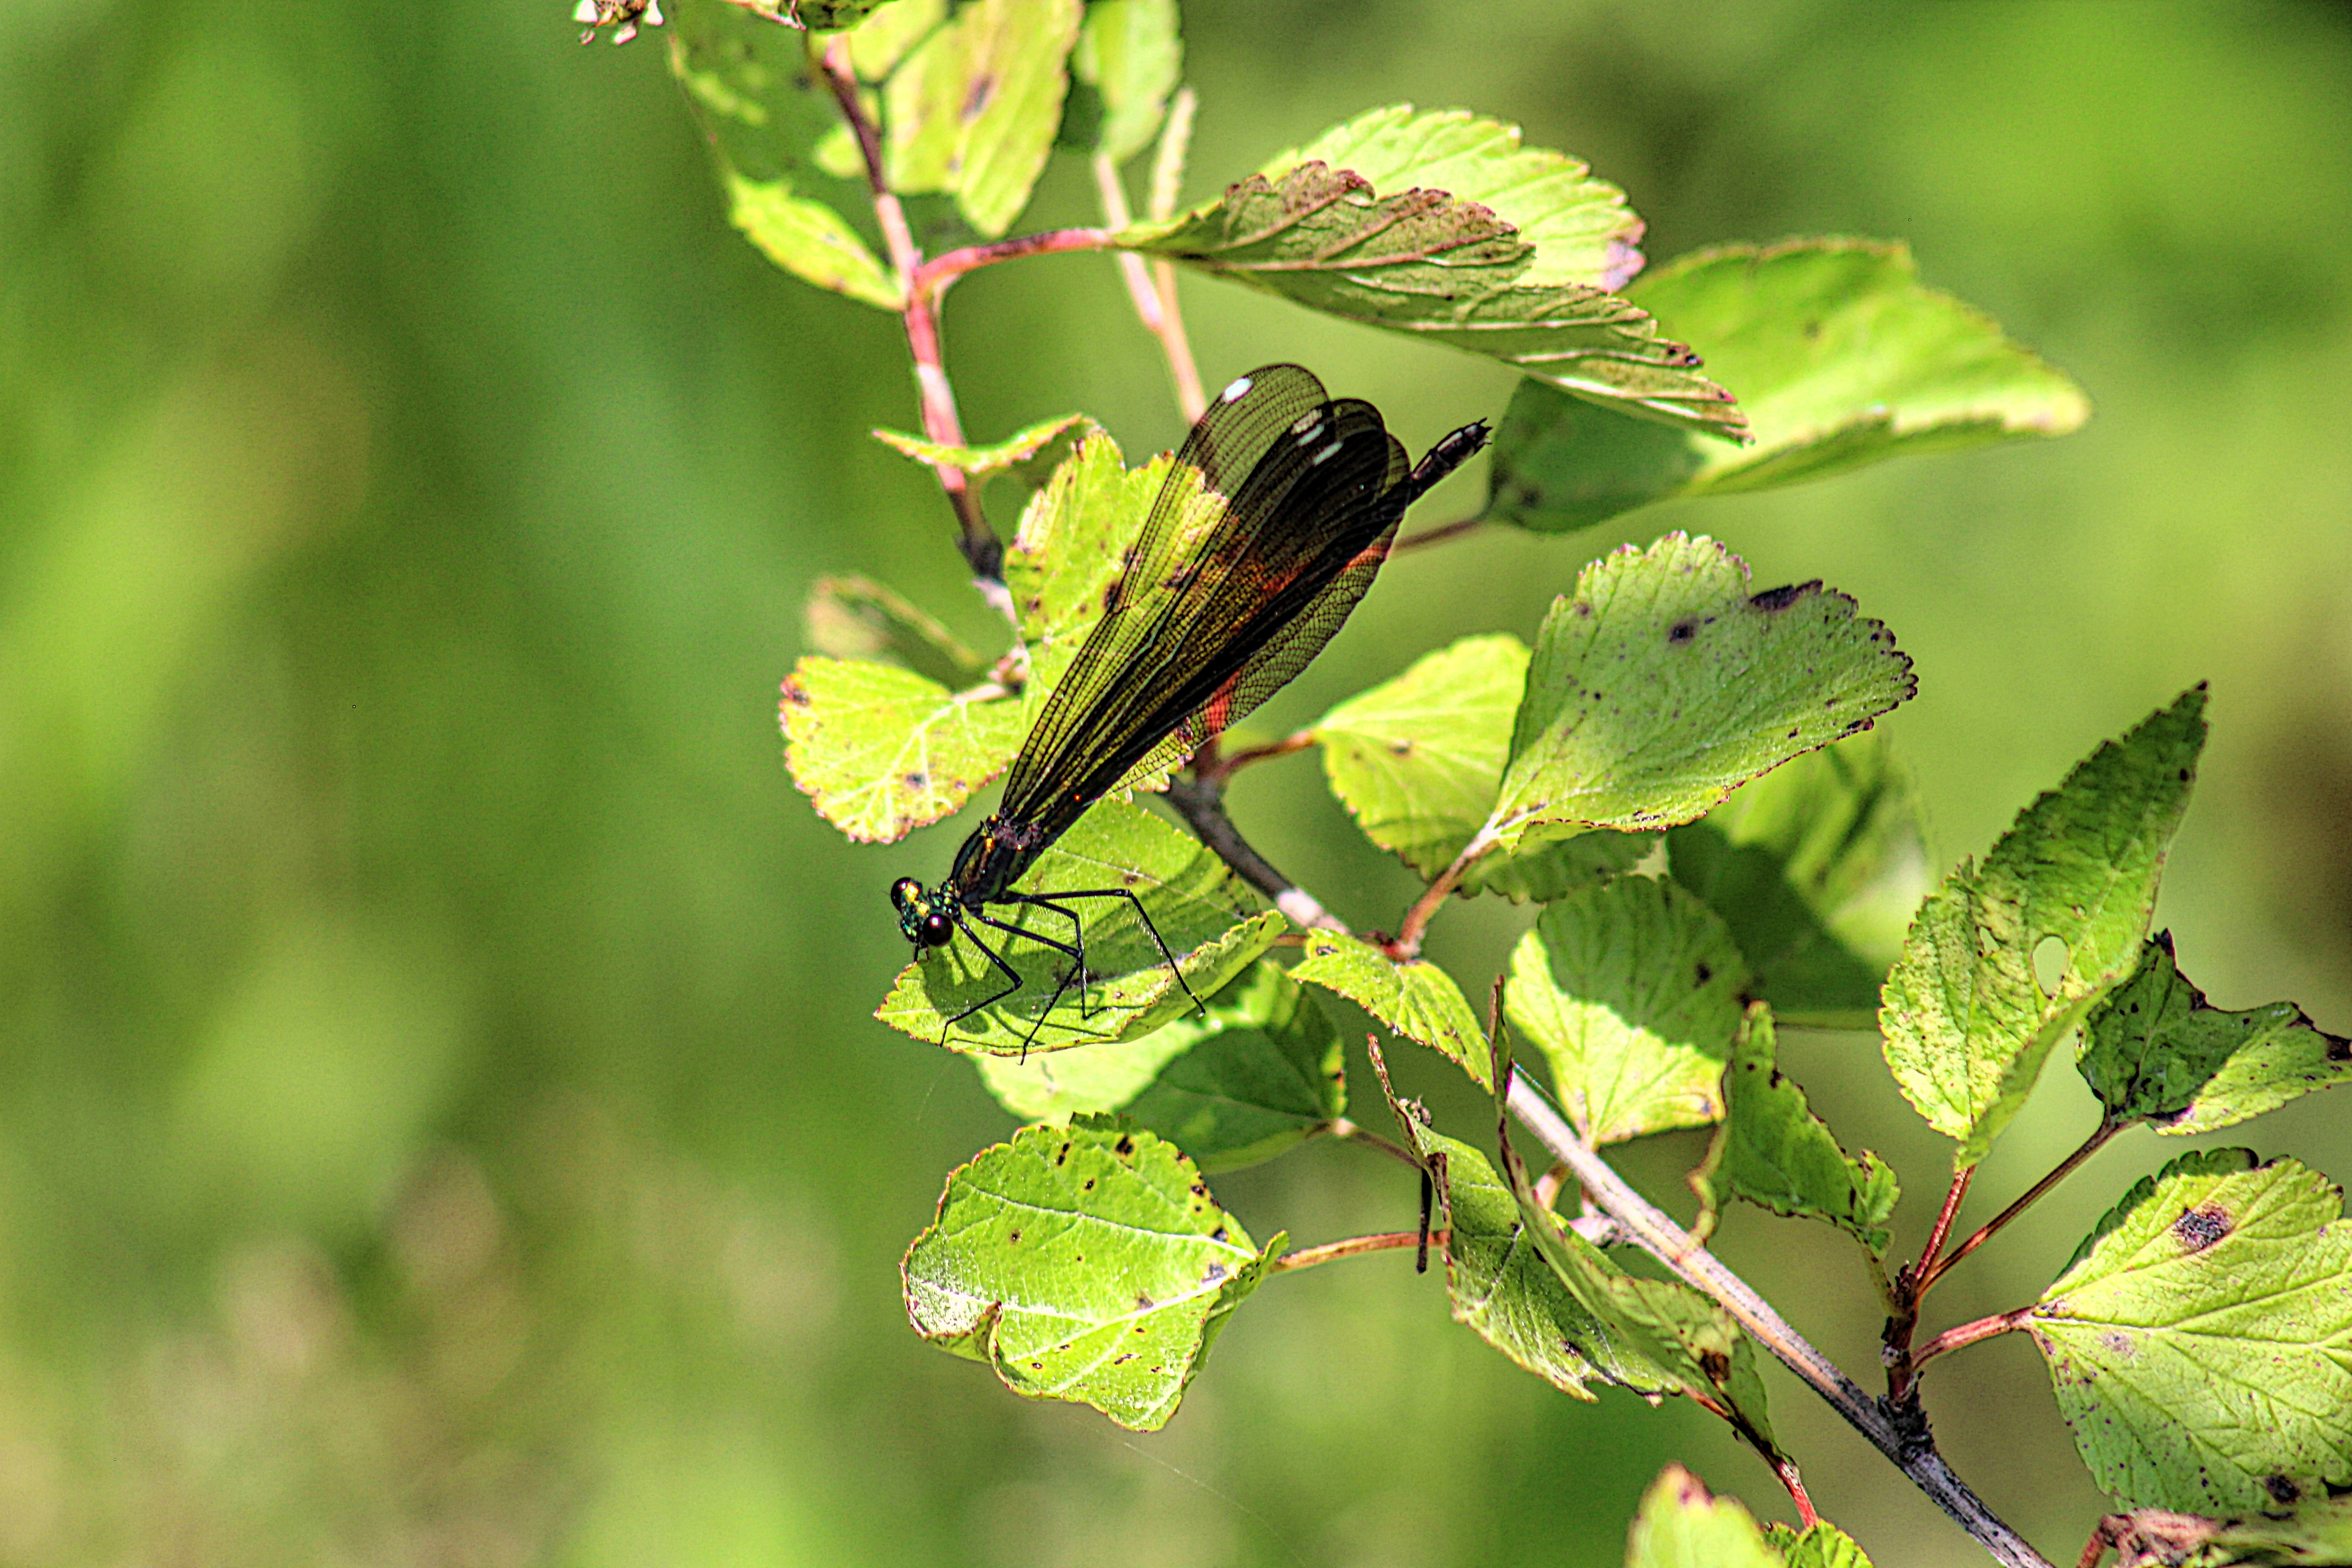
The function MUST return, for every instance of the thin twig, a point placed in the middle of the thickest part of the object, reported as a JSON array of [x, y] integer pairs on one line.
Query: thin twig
[[1438, 535], [1786, 1468], [1927, 1254], [2091, 1145], [1155, 306], [1407, 944], [1969, 1334], [1202, 807], [981, 550], [1912, 1451], [1216, 769], [1387, 1241], [934, 276], [1358, 1133]]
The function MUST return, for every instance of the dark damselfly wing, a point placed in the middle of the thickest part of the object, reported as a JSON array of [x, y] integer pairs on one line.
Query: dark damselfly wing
[[1236, 581]]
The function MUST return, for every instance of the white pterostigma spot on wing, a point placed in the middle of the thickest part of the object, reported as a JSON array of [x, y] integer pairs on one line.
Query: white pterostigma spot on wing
[[1234, 390], [1306, 423], [1325, 454]]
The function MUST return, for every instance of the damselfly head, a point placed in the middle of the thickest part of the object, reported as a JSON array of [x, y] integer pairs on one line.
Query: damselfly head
[[921, 916]]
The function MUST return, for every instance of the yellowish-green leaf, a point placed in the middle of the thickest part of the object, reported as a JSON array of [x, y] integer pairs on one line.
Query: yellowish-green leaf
[[973, 109], [1208, 917], [810, 240], [1086, 1263], [1840, 357], [1682, 1525], [1415, 998], [880, 750], [2200, 1342], [1633, 991], [1582, 231], [1663, 685], [1966, 1022], [1129, 58]]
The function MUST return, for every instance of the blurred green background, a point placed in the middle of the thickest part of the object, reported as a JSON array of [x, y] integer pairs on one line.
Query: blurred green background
[[440, 1120]]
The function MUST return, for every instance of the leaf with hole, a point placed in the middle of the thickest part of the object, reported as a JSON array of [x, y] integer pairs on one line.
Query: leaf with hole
[[1087, 1263], [1967, 1024], [2200, 1341]]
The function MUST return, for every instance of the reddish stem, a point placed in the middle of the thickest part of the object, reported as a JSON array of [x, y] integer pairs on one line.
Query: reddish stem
[[933, 276], [1787, 1471], [2091, 1145], [1969, 1334], [1216, 769], [1387, 1241], [1406, 944]]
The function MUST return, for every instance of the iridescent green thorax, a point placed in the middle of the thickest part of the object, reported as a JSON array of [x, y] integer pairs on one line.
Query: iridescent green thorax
[[924, 913]]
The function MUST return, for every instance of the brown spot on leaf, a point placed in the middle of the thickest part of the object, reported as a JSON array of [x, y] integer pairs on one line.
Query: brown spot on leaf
[[795, 694], [1011, 1235], [1772, 601], [1705, 974], [2282, 1491], [2118, 1342], [1124, 1147], [2199, 1228], [1144, 1303], [1401, 748], [1061, 1154], [1216, 1272], [976, 99], [1218, 1234], [917, 780], [1682, 631], [1716, 1365]]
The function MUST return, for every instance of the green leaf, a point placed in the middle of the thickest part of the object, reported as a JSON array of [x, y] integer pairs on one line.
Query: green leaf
[[1424, 263], [1262, 1071], [1840, 356], [1208, 917], [1415, 998], [2200, 1342], [1072, 539], [880, 750], [1129, 58], [1682, 1525], [1633, 991], [810, 240], [878, 43], [1823, 1545], [1087, 1264], [769, 115], [1581, 229], [1663, 685], [826, 15], [1417, 761], [1015, 450], [854, 618], [1685, 1336], [1966, 1025], [2317, 1535], [973, 109], [1775, 1153], [1503, 1291], [2159, 1053], [1817, 867]]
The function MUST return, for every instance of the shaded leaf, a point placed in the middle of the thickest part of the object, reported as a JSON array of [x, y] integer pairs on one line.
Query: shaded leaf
[[1017, 449], [1259, 1073], [769, 115], [1580, 228], [1503, 1291], [1421, 262], [852, 617], [2200, 1341], [1966, 1025], [1417, 759], [825, 15], [2157, 1052], [1817, 868], [1129, 58], [1633, 991], [1682, 1525], [1086, 1264], [880, 750], [2317, 1535], [972, 111], [878, 43], [1840, 357], [1416, 998], [1663, 685], [1775, 1153], [810, 240], [1208, 917]]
